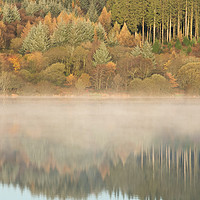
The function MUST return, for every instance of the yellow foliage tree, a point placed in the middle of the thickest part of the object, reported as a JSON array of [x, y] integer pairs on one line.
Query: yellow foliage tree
[[71, 79], [15, 61]]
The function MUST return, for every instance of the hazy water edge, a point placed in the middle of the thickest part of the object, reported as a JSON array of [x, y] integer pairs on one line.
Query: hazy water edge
[[72, 147]]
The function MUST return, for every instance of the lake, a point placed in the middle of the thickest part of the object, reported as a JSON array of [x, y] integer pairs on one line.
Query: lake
[[99, 148]]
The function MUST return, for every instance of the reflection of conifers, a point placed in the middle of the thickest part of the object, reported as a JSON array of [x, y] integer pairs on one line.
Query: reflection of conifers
[[167, 171]]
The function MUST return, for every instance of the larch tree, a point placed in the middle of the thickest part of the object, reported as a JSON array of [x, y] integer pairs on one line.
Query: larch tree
[[26, 30], [105, 19], [125, 38]]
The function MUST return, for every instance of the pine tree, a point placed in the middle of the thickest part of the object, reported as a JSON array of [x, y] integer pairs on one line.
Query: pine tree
[[92, 12], [83, 32], [147, 51], [101, 33], [10, 14], [62, 34], [136, 51], [85, 4], [37, 39], [101, 55], [32, 8]]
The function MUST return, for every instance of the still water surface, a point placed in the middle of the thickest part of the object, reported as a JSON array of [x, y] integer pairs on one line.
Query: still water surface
[[56, 148]]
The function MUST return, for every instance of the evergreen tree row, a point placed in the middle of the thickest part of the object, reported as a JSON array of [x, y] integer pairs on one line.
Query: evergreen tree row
[[161, 19]]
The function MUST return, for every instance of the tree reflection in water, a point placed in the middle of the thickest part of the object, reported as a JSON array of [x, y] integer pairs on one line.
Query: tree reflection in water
[[165, 169]]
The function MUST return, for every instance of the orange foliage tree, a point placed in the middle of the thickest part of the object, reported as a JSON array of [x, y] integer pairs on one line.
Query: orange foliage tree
[[105, 19], [64, 17], [15, 61], [51, 23], [125, 38], [26, 30], [172, 80], [2, 35]]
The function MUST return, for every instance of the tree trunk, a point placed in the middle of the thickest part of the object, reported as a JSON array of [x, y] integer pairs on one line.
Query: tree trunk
[[167, 32], [188, 26], [196, 21], [143, 30], [154, 27], [162, 30], [191, 21], [186, 19], [174, 31], [170, 28], [150, 34], [178, 24]]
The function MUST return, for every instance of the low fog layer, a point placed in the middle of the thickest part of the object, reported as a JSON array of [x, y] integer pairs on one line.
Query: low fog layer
[[92, 123]]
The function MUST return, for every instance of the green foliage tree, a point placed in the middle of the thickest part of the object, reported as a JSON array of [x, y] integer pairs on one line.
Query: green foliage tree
[[55, 74], [155, 85], [156, 48], [178, 45], [10, 13], [100, 31], [188, 78], [37, 39], [101, 55], [92, 12], [146, 52], [62, 34]]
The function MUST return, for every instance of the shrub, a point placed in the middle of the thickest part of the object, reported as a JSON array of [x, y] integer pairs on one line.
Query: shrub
[[186, 41], [83, 82], [155, 85], [189, 49], [9, 82], [169, 45], [156, 47], [189, 78], [178, 45], [55, 74]]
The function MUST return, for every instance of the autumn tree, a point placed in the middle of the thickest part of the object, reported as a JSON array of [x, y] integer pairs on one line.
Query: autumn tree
[[125, 38], [105, 19], [2, 35], [83, 82], [26, 30]]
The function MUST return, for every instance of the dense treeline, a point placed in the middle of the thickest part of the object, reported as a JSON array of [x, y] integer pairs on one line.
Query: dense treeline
[[161, 19], [60, 47]]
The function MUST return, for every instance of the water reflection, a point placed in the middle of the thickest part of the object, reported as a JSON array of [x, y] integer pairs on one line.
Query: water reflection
[[105, 164]]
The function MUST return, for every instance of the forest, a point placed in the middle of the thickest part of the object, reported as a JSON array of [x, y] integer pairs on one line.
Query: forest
[[138, 47]]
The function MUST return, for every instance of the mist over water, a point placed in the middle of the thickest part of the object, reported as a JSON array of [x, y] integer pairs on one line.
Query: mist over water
[[78, 147]]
